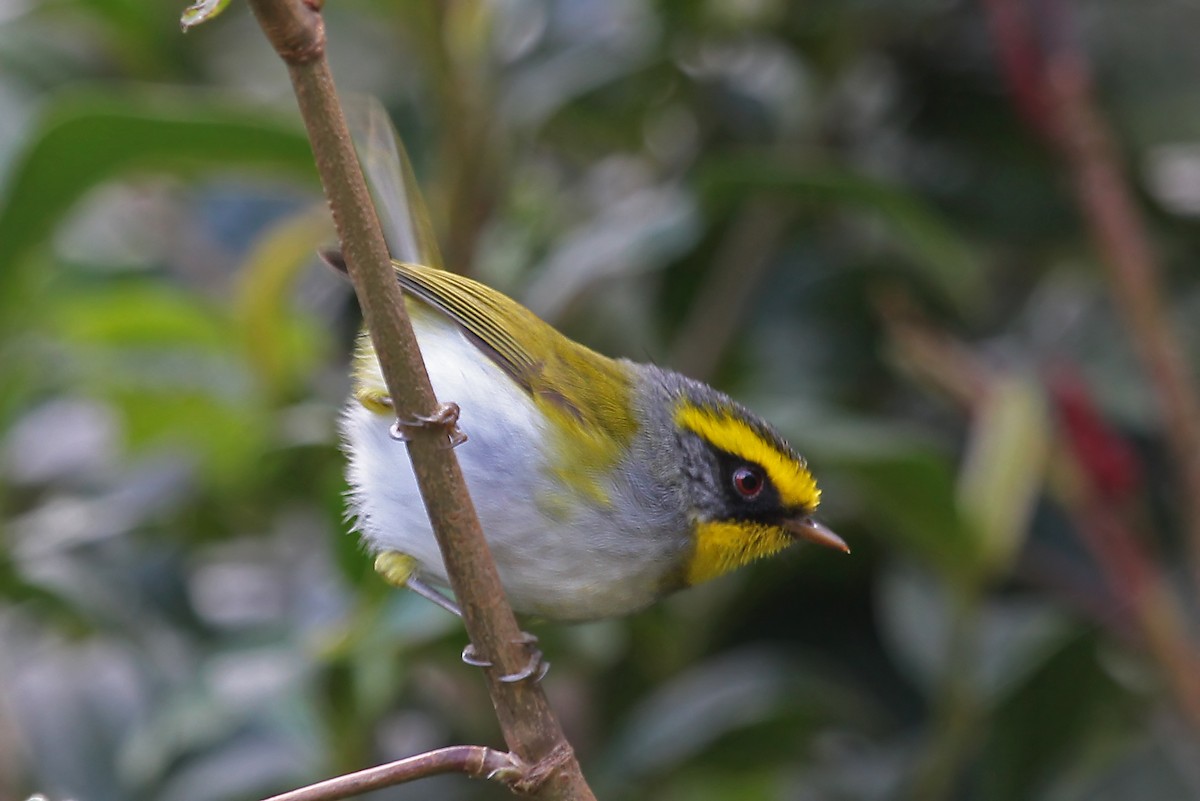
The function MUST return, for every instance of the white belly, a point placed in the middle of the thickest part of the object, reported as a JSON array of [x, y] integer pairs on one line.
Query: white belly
[[559, 555]]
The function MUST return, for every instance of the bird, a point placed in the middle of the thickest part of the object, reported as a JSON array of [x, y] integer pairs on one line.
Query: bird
[[602, 485]]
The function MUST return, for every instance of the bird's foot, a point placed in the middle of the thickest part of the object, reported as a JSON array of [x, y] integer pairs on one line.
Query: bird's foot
[[536, 668], [400, 570], [445, 418]]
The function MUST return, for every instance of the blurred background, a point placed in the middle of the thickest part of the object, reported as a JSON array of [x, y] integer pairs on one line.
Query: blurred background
[[948, 246]]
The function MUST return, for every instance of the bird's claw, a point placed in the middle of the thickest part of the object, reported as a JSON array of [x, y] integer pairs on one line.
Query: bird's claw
[[445, 418], [470, 658], [536, 668]]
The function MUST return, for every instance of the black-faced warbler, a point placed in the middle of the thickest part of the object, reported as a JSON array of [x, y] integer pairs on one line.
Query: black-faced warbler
[[601, 485]]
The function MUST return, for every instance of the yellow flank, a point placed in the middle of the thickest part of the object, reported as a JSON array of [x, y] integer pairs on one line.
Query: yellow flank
[[395, 568], [369, 387], [374, 398], [722, 546], [796, 485], [370, 390]]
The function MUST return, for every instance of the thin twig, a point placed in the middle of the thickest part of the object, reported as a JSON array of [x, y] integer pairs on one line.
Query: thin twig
[[530, 728], [1131, 574], [739, 265], [1055, 79], [475, 761], [1104, 194]]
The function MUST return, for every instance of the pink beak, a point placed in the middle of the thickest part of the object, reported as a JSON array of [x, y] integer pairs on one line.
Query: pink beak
[[808, 529]]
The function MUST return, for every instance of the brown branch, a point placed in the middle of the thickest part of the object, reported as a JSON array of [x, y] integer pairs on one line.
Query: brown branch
[[529, 725], [1103, 525], [1104, 194], [1102, 190], [475, 761]]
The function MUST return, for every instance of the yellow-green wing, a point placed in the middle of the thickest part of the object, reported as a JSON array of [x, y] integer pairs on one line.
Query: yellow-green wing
[[588, 395]]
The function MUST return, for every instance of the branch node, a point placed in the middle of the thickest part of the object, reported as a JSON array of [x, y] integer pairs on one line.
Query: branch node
[[510, 773], [534, 776], [296, 30]]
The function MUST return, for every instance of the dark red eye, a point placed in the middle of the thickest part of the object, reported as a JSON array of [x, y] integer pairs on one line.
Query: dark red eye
[[748, 482]]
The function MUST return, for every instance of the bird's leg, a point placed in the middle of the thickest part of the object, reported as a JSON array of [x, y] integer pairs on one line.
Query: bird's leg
[[400, 570], [430, 594]]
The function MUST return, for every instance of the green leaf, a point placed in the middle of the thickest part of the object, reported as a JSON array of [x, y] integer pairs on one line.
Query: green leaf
[[171, 365], [1094, 732], [1012, 637], [88, 137], [1004, 468], [683, 721], [279, 347], [939, 254], [140, 314], [227, 436], [911, 495], [903, 482]]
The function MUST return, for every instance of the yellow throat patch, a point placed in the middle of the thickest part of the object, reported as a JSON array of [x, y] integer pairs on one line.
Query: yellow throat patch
[[724, 545]]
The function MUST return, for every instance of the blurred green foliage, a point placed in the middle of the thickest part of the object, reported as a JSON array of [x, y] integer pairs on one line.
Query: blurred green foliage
[[739, 188]]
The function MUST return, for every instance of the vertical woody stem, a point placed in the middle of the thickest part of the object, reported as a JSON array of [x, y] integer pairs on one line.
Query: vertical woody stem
[[1104, 196], [296, 30]]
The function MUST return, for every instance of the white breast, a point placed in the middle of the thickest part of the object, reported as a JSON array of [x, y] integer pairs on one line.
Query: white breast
[[559, 555]]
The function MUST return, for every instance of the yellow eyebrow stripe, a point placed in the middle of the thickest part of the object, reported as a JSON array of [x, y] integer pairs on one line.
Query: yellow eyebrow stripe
[[796, 485]]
